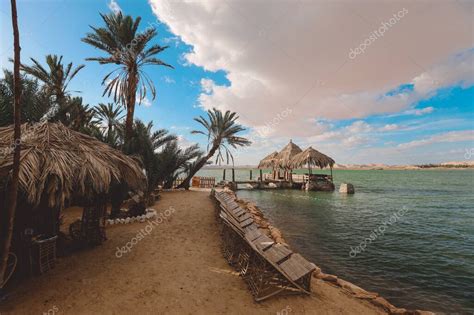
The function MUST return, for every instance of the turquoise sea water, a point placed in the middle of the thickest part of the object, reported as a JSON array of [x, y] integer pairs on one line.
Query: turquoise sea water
[[421, 258]]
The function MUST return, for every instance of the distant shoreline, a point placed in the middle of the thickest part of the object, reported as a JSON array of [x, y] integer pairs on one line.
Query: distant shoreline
[[365, 168]]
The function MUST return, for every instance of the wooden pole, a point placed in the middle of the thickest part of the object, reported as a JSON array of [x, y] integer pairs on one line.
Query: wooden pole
[[332, 179], [6, 235], [250, 174], [223, 175], [261, 175], [233, 175]]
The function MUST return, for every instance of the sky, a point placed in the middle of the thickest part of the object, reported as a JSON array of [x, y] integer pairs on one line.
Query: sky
[[362, 81]]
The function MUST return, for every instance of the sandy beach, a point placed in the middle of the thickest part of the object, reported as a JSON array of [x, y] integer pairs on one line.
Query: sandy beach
[[176, 269]]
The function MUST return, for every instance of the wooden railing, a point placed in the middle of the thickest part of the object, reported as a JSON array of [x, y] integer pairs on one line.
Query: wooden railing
[[301, 178]]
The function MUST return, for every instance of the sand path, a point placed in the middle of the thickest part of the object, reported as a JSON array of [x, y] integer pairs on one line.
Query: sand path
[[176, 269]]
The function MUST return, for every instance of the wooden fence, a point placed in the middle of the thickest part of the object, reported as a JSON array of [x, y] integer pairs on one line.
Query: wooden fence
[[203, 182], [178, 182]]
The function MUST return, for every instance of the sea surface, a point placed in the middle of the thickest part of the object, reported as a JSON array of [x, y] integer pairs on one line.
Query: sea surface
[[406, 234]]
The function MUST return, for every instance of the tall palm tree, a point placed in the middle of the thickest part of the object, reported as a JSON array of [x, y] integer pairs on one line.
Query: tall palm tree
[[131, 51], [221, 130], [109, 117], [55, 78], [8, 222]]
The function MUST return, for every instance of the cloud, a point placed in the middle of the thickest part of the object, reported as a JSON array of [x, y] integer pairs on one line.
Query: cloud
[[276, 60], [184, 143], [114, 7], [390, 127], [456, 70], [452, 136], [174, 40], [419, 112], [358, 133], [168, 79], [143, 101], [358, 127], [207, 86]]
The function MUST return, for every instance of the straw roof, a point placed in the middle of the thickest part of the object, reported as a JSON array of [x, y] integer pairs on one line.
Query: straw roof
[[286, 154], [269, 161], [63, 163], [311, 157]]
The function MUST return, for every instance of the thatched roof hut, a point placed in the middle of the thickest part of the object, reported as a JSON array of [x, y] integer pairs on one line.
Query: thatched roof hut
[[285, 156], [60, 164], [311, 157], [269, 161]]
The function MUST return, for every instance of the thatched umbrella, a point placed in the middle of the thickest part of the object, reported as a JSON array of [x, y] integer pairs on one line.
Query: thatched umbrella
[[286, 154], [269, 161], [312, 157], [58, 164]]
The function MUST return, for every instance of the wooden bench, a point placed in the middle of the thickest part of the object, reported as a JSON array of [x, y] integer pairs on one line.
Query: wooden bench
[[299, 270], [267, 267], [277, 253]]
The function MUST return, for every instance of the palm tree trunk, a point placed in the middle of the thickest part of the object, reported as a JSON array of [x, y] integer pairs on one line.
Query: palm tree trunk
[[131, 99], [13, 187], [185, 184], [109, 132]]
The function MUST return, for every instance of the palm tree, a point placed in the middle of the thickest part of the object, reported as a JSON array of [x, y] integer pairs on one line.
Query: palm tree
[[56, 78], [77, 116], [35, 103], [221, 130], [8, 222], [173, 161], [130, 50], [145, 143], [109, 117]]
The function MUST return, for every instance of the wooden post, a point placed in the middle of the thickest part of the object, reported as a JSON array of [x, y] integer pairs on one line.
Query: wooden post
[[332, 179], [261, 175], [233, 175], [223, 175], [8, 216], [250, 174]]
